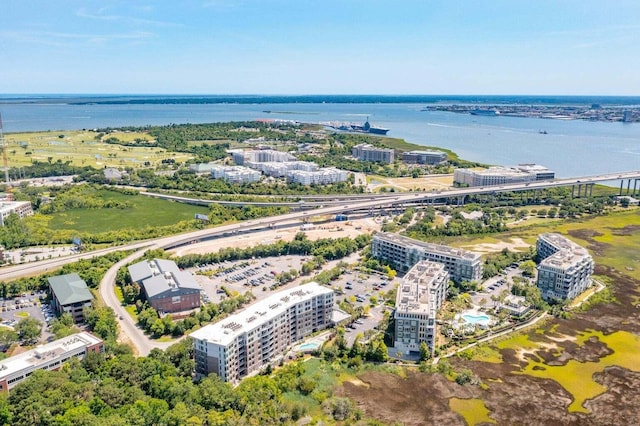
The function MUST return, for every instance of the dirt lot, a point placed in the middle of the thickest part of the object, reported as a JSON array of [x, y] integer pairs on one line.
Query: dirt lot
[[352, 229], [514, 398]]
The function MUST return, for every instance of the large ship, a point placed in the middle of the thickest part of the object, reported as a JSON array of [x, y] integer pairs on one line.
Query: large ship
[[487, 112], [356, 127]]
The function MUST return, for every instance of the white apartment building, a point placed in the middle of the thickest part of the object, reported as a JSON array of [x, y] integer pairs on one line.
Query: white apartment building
[[566, 268], [404, 252], [235, 174], [499, 175], [240, 157], [51, 356], [202, 167], [368, 152], [281, 169], [420, 295], [322, 176], [244, 343], [21, 208]]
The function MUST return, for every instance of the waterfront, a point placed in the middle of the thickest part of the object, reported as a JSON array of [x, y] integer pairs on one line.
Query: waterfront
[[571, 147]]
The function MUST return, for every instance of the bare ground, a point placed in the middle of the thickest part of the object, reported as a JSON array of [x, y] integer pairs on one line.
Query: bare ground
[[516, 399]]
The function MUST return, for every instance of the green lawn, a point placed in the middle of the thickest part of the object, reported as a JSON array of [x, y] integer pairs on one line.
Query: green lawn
[[82, 149], [144, 212], [472, 410]]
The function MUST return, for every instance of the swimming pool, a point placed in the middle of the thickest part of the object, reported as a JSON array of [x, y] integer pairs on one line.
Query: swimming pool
[[476, 318], [311, 346]]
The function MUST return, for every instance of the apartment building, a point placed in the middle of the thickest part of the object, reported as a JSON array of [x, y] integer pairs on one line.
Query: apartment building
[[165, 286], [244, 343], [540, 172], [70, 294], [404, 253], [419, 297], [424, 157], [51, 356], [324, 176], [499, 175], [281, 169], [235, 174], [566, 268], [368, 152], [240, 157], [21, 208]]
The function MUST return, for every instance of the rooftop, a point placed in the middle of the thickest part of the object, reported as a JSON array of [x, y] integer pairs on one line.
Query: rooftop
[[413, 293], [568, 254], [226, 330], [43, 354], [70, 289], [432, 248]]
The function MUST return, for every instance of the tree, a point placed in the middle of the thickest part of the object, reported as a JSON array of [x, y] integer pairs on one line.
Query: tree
[[29, 330], [528, 268], [425, 352]]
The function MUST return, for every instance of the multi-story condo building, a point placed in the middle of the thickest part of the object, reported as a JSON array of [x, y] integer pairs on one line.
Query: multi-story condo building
[[368, 152], [566, 268], [280, 169], [322, 176], [404, 252], [51, 356], [540, 172], [21, 208], [244, 343], [235, 174], [240, 157], [424, 157], [420, 295], [166, 287], [502, 175], [70, 294], [202, 168]]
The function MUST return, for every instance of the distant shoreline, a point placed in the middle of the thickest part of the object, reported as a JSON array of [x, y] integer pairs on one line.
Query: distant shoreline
[[477, 100]]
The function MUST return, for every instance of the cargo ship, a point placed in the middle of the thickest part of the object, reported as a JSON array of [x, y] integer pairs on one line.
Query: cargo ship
[[486, 112]]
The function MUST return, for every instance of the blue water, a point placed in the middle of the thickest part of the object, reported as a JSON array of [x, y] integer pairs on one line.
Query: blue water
[[571, 148], [475, 319], [308, 346]]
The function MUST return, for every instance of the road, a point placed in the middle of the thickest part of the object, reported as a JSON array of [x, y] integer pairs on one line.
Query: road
[[12, 272], [139, 340]]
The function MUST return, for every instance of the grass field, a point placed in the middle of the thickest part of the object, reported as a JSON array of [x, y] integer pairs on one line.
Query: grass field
[[472, 410], [577, 377], [81, 149], [144, 211]]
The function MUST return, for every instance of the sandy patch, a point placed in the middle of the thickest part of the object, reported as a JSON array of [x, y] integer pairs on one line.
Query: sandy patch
[[358, 382], [351, 229], [515, 244]]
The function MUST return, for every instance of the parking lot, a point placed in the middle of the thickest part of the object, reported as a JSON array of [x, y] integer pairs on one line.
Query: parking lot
[[255, 275], [494, 286], [28, 305]]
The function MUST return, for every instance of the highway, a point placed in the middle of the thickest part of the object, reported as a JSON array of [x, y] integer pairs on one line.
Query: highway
[[144, 345], [8, 273]]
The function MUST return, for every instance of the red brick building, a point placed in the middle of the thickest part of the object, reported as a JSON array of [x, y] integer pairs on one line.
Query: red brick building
[[165, 286]]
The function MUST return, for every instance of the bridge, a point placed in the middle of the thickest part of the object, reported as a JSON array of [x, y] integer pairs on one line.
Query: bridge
[[582, 183], [346, 206]]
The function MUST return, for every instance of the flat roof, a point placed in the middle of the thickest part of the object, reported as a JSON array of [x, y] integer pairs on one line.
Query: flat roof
[[432, 248], [44, 354], [226, 330], [413, 292], [569, 253]]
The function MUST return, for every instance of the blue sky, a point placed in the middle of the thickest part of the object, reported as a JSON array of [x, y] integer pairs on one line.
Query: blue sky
[[573, 47]]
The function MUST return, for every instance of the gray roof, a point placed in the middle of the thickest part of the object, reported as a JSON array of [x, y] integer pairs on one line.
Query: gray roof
[[160, 275], [70, 289]]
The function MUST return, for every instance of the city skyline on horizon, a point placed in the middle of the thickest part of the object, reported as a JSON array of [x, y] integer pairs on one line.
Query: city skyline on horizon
[[355, 47]]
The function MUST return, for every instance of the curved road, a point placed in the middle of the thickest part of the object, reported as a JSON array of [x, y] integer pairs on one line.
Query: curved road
[[139, 339]]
